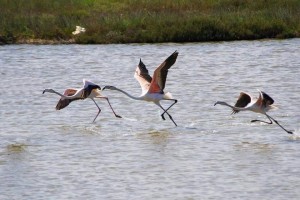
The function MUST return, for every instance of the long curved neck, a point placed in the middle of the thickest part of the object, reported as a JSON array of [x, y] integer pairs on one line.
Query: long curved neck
[[63, 96], [233, 107], [60, 94], [130, 96]]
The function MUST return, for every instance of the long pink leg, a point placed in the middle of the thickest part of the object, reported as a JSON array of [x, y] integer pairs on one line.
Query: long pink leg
[[110, 106], [99, 110], [270, 118], [165, 111]]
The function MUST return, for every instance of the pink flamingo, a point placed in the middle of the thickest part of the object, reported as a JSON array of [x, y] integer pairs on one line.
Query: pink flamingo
[[89, 90], [153, 88], [261, 105]]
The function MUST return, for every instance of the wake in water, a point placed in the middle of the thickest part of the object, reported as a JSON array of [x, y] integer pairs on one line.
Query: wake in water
[[295, 135]]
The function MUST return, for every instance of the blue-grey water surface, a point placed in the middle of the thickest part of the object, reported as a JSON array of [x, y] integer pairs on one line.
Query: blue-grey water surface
[[49, 154]]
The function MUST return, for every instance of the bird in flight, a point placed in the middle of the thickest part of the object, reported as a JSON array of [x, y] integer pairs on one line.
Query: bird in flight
[[260, 105], [89, 90], [153, 87], [78, 30]]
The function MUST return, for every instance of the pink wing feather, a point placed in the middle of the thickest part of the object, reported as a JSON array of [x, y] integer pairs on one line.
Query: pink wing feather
[[62, 103]]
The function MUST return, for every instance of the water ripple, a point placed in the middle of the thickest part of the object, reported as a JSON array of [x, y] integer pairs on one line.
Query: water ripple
[[210, 155]]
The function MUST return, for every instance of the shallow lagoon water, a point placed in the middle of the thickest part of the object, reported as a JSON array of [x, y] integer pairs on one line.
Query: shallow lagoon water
[[49, 154]]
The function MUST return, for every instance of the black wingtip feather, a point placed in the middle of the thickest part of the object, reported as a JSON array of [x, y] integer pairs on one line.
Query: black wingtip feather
[[267, 98], [171, 59], [142, 64]]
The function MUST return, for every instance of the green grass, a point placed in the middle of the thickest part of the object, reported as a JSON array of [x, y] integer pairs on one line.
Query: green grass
[[128, 21]]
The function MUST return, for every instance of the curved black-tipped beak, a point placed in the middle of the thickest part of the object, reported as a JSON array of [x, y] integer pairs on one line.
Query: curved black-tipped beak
[[218, 102], [106, 87]]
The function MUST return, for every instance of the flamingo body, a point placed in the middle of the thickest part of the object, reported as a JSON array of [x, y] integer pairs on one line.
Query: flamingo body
[[155, 97], [153, 87]]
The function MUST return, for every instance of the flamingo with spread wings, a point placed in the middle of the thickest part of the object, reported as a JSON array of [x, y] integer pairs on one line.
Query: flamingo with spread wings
[[89, 90], [260, 105], [153, 87]]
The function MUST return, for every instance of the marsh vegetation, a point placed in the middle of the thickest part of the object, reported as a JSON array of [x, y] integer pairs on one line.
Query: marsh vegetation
[[144, 21]]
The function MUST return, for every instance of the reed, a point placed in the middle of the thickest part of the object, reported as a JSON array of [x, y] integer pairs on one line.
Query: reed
[[145, 21]]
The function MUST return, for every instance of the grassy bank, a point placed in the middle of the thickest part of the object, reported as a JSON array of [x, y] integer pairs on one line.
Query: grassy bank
[[127, 21]]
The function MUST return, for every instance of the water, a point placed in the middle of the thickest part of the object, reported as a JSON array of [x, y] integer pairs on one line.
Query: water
[[49, 154]]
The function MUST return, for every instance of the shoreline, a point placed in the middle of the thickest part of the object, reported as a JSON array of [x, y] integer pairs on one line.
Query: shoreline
[[73, 41], [40, 42]]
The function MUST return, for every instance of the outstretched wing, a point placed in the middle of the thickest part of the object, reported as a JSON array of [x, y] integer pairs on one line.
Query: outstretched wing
[[62, 103], [243, 100], [264, 100], [142, 76], [267, 100], [160, 74], [88, 87]]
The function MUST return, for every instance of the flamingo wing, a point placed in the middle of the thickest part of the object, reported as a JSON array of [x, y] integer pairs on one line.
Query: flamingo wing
[[243, 100], [160, 74], [267, 100], [62, 103], [87, 83], [88, 86], [142, 76]]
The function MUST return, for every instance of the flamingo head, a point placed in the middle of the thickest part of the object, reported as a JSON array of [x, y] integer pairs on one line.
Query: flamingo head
[[220, 102], [109, 87], [48, 90]]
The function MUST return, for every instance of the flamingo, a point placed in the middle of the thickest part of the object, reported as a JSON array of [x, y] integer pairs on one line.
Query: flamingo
[[260, 105], [153, 88], [89, 90]]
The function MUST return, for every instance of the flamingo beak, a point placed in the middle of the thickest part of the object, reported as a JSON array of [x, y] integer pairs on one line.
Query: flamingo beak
[[109, 87]]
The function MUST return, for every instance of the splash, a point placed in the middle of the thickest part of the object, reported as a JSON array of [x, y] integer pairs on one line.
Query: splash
[[295, 135]]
